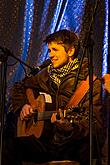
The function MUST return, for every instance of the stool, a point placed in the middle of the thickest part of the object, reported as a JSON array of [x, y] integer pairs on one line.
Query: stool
[[63, 162]]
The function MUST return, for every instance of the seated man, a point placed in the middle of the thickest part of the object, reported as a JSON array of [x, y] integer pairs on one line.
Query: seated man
[[63, 137]]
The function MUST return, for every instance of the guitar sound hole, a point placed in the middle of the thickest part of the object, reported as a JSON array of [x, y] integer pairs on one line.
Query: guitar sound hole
[[35, 117]]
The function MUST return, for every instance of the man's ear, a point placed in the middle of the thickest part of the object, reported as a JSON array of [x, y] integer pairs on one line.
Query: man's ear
[[71, 51]]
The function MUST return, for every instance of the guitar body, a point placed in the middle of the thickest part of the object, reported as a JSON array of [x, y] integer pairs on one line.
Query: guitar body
[[29, 127]]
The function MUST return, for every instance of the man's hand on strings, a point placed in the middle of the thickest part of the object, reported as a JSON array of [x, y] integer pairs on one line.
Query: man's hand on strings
[[60, 121], [26, 112], [58, 117]]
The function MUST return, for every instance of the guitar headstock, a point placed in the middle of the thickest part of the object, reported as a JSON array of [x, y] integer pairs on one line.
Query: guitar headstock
[[75, 115]]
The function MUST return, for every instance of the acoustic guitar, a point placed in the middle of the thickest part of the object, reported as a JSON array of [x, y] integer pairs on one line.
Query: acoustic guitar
[[35, 124]]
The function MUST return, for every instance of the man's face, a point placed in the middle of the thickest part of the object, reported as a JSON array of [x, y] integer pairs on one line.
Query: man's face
[[58, 55]]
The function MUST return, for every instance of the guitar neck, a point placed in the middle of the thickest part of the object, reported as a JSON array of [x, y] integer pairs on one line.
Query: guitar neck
[[46, 115], [39, 116]]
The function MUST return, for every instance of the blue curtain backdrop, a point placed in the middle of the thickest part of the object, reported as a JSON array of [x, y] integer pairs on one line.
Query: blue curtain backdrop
[[25, 24]]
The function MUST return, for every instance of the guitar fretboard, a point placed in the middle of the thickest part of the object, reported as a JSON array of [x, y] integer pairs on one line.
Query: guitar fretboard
[[39, 116]]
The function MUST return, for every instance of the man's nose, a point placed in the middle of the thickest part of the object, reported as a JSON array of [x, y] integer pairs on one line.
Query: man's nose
[[51, 55]]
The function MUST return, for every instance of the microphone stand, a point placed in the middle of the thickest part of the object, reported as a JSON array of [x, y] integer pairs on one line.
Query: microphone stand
[[9, 53], [3, 64], [4, 53], [88, 46]]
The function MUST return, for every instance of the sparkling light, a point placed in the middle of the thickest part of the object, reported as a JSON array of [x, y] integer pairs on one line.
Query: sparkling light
[[105, 41], [55, 28], [28, 19]]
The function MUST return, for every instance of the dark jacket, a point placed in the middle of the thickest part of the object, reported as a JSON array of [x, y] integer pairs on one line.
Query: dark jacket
[[60, 97]]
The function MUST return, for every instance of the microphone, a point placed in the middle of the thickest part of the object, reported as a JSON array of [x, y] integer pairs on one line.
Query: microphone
[[35, 70]]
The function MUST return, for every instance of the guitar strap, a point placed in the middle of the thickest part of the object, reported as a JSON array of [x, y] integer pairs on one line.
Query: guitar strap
[[79, 93]]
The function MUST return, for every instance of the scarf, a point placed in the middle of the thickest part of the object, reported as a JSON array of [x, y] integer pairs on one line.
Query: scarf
[[57, 74]]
